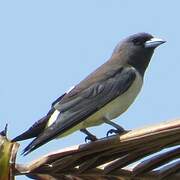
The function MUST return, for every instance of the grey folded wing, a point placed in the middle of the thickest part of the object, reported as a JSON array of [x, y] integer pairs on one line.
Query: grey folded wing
[[78, 105]]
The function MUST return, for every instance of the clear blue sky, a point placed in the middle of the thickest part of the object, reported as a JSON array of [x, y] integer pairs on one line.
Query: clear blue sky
[[48, 46]]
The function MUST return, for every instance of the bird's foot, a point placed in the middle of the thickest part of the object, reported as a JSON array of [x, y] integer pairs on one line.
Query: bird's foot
[[119, 131], [90, 138]]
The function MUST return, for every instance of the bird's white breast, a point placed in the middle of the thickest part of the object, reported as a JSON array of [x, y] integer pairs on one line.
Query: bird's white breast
[[109, 111], [117, 106]]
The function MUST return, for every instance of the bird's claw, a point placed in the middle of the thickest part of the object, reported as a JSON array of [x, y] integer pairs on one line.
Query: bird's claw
[[111, 131], [115, 131], [90, 138]]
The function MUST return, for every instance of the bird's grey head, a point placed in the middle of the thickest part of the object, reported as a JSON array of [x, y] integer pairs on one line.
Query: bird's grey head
[[137, 50]]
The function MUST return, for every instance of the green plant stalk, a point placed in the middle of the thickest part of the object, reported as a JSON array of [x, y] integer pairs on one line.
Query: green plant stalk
[[5, 154]]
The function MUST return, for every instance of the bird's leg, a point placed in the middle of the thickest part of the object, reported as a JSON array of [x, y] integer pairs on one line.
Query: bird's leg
[[118, 129], [89, 136]]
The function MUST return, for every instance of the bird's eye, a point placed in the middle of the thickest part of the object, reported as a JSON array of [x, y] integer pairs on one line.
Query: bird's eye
[[138, 42]]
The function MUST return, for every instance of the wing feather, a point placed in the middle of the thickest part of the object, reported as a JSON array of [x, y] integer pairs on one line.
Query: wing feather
[[74, 109]]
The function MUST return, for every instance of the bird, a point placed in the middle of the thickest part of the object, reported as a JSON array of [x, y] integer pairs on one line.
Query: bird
[[99, 98]]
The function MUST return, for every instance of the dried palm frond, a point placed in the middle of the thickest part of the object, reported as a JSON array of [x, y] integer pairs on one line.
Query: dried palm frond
[[113, 157]]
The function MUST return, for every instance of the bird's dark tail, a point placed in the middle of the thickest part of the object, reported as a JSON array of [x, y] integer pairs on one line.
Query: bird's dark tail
[[33, 131], [47, 135], [36, 129]]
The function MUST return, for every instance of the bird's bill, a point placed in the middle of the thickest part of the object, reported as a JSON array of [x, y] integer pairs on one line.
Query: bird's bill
[[154, 42]]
